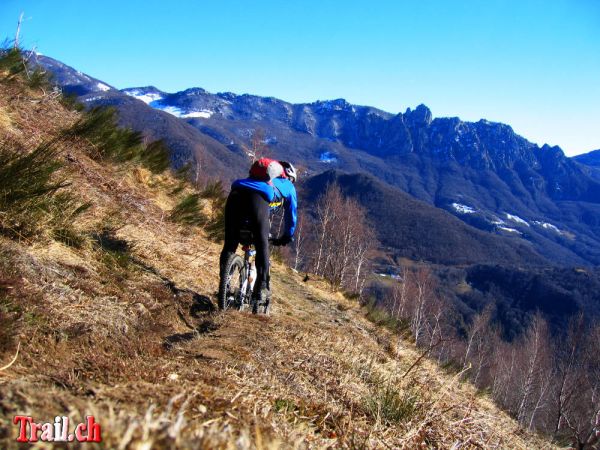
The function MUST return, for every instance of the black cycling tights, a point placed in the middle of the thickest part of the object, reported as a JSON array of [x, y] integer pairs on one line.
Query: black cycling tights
[[246, 206]]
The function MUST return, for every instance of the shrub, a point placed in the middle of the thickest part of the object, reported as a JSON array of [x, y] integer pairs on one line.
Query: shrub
[[99, 126], [11, 61], [215, 228], [37, 78], [178, 189], [30, 201], [213, 191], [111, 142], [28, 184], [71, 102], [184, 172], [64, 210], [156, 157], [188, 211], [392, 406], [379, 316]]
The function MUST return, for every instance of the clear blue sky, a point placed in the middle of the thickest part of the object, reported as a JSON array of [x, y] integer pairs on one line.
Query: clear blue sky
[[532, 64]]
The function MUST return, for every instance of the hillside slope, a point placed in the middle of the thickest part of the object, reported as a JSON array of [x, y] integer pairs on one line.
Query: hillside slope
[[590, 162], [123, 327], [417, 230]]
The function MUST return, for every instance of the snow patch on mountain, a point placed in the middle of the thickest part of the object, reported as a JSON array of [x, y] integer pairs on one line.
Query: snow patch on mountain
[[204, 114], [178, 112], [463, 209], [509, 230], [146, 97], [516, 219], [103, 87], [327, 157], [548, 226]]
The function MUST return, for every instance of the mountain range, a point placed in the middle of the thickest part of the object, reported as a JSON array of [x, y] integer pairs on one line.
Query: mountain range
[[483, 193]]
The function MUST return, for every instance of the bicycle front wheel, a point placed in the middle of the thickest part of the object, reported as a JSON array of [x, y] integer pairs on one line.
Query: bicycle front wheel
[[231, 283]]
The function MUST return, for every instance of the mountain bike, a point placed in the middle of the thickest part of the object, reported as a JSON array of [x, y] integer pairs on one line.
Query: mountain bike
[[238, 278]]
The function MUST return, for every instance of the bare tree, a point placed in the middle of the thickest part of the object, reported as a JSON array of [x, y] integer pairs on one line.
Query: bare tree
[[300, 237], [535, 347], [326, 211], [258, 148], [581, 415], [566, 357], [18, 32], [474, 334], [344, 239], [421, 302]]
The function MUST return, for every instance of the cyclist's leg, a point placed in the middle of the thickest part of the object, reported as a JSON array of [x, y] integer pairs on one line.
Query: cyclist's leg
[[233, 210], [261, 226]]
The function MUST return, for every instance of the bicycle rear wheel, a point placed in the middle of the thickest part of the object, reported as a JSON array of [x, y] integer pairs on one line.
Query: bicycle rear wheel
[[231, 283]]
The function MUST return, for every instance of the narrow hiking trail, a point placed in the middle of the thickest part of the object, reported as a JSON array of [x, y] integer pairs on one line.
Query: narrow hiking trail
[[124, 327]]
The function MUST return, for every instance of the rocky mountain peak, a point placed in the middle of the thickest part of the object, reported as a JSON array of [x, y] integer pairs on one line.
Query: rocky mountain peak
[[421, 116]]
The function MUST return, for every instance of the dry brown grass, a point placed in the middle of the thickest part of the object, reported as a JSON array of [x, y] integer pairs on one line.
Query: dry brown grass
[[131, 337]]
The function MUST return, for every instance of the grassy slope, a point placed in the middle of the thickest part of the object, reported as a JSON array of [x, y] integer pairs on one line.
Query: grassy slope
[[133, 339]]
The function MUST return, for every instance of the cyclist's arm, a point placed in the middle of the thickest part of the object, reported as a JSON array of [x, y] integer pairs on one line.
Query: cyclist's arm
[[290, 211]]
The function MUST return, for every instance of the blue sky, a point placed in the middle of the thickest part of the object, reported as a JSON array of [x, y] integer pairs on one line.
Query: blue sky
[[532, 64]]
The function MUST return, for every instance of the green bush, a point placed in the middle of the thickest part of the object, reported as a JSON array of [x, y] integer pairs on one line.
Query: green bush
[[37, 78], [15, 62], [392, 406], [28, 184], [215, 228], [184, 172], [382, 317], [112, 142], [99, 126], [31, 195], [64, 210], [11, 61], [71, 102], [178, 189], [188, 211], [213, 191], [156, 157]]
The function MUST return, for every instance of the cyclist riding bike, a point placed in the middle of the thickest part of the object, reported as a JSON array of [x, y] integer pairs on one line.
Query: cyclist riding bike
[[247, 216]]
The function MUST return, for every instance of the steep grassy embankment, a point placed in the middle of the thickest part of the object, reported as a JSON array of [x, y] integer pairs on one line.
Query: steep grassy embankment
[[122, 326]]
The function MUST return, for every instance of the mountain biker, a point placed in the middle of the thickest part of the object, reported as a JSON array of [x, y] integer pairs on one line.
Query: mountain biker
[[248, 207]]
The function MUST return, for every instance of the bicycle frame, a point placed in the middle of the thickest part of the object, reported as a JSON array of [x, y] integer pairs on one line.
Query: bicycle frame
[[247, 284]]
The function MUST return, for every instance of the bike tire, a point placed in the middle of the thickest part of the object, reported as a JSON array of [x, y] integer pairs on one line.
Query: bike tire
[[234, 264]]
